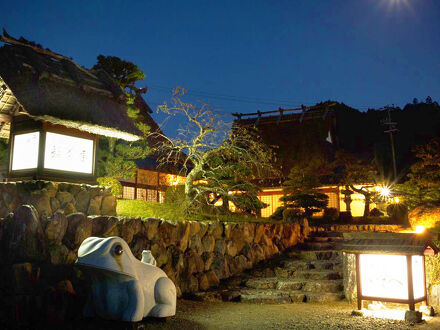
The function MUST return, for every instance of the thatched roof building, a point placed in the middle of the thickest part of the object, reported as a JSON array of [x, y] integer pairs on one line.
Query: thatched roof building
[[50, 87], [295, 135]]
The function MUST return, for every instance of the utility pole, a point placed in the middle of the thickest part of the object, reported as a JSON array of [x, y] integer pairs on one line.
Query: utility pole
[[391, 129]]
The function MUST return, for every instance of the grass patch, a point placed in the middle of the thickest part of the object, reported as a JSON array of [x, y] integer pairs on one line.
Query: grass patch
[[138, 208]]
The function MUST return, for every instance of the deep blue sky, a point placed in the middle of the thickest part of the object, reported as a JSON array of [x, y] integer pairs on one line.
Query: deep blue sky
[[365, 53]]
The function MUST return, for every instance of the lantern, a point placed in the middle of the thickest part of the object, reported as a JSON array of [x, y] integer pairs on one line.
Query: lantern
[[390, 267]]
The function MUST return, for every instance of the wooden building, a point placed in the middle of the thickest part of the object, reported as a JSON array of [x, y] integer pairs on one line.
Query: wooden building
[[52, 111], [300, 135]]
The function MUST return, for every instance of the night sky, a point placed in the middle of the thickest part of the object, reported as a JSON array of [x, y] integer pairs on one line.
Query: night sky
[[240, 56]]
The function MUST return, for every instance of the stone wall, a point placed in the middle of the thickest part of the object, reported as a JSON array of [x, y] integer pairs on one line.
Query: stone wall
[[195, 255], [434, 296], [48, 197]]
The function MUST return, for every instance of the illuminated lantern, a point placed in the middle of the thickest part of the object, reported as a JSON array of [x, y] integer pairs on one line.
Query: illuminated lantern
[[41, 150], [53, 111], [390, 267]]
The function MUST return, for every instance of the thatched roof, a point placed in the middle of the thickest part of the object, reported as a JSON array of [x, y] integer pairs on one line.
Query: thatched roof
[[295, 136], [50, 87], [388, 243]]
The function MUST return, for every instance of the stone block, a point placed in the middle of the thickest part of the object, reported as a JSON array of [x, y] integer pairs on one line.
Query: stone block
[[413, 316]]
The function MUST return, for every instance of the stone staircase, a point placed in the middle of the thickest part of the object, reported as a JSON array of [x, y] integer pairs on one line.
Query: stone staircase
[[311, 272]]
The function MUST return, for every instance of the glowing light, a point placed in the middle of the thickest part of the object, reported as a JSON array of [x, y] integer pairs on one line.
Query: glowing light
[[384, 276], [383, 191], [396, 200], [420, 229], [25, 153], [418, 279], [68, 153], [393, 5]]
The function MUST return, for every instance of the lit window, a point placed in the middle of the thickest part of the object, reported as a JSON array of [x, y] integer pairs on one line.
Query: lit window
[[68, 153], [25, 153], [127, 192], [161, 196], [151, 195], [141, 194]]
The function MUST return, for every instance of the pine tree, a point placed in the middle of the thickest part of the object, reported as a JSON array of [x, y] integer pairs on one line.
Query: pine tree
[[116, 158], [356, 174], [423, 184], [301, 188]]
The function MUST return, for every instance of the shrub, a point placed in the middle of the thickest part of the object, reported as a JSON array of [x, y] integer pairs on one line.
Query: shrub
[[345, 217], [376, 213], [278, 214], [114, 184], [433, 267], [175, 194], [331, 213], [292, 213], [398, 213]]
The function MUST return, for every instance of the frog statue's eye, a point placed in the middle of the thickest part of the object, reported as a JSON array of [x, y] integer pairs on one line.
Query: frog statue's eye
[[118, 250]]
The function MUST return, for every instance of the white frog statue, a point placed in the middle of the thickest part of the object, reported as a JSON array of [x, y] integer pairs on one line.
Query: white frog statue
[[124, 288]]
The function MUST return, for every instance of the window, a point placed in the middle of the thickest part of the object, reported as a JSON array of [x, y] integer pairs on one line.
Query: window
[[151, 195], [127, 192], [141, 194], [161, 196]]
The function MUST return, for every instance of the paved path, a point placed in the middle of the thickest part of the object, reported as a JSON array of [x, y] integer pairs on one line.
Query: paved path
[[229, 315]]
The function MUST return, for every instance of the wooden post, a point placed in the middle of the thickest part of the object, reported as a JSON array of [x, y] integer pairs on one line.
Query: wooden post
[[410, 283], [157, 187], [41, 150], [135, 184], [358, 282]]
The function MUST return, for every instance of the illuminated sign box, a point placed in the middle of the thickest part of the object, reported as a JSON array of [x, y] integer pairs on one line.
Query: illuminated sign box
[[68, 153], [390, 267], [40, 150], [25, 151]]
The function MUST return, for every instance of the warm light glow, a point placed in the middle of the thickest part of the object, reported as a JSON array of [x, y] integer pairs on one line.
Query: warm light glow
[[420, 229], [418, 278], [25, 153], [68, 153], [384, 276], [385, 192], [396, 200]]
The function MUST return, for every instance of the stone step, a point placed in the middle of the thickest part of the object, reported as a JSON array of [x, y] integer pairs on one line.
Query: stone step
[[308, 273], [282, 297], [325, 239], [315, 254], [327, 233], [308, 245], [306, 285], [312, 264], [270, 296], [317, 275]]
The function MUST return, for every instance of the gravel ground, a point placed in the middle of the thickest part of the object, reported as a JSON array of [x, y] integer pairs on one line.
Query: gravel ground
[[229, 315]]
